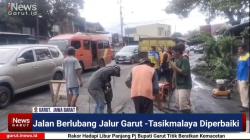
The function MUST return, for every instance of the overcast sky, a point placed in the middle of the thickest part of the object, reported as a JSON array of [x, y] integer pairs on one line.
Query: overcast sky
[[139, 12]]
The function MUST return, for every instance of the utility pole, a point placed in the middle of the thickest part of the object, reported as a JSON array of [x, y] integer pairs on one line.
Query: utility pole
[[37, 27], [174, 28], [209, 18], [121, 20], [37, 24]]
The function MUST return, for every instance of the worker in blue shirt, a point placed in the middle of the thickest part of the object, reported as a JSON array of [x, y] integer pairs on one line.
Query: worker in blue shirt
[[154, 58], [242, 77]]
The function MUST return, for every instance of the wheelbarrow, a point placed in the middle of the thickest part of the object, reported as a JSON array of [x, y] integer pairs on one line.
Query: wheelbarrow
[[165, 94], [224, 88]]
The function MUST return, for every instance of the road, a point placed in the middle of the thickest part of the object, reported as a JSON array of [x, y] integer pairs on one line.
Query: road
[[201, 99], [24, 102]]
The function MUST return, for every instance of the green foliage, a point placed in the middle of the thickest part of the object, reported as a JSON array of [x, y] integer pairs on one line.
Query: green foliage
[[65, 8], [219, 56], [203, 38], [211, 48], [234, 10], [9, 22], [227, 45], [246, 33], [198, 38], [221, 71], [181, 7]]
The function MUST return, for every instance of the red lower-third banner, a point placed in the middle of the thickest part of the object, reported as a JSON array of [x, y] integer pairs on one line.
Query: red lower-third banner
[[26, 136]]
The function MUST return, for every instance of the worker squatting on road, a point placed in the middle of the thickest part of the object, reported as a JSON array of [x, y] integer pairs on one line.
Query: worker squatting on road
[[100, 87]]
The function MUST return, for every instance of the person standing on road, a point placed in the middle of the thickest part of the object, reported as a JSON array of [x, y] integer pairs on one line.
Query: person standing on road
[[182, 79], [144, 86], [165, 68], [186, 56], [242, 77], [154, 58], [100, 87], [72, 74]]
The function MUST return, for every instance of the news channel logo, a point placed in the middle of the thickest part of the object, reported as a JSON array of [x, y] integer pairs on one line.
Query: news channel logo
[[19, 122], [21, 9]]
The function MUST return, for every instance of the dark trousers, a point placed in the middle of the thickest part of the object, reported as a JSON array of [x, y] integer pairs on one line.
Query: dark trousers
[[143, 105], [158, 72], [168, 75]]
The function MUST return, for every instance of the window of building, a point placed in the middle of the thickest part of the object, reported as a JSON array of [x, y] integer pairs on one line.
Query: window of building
[[160, 31], [3, 41]]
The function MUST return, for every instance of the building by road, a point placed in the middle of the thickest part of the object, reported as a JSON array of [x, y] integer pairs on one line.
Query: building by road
[[214, 29], [150, 30]]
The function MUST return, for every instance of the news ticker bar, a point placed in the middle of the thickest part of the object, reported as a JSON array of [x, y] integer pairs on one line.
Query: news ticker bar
[[127, 122], [40, 136]]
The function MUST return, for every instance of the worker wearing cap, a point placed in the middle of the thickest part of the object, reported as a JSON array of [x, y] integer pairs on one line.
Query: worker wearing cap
[[144, 86], [100, 87]]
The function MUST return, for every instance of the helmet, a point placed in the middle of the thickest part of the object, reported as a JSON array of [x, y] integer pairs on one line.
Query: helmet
[[117, 70], [146, 61]]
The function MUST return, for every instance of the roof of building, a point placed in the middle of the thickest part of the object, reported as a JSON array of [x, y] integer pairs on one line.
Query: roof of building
[[237, 29], [163, 38], [11, 33]]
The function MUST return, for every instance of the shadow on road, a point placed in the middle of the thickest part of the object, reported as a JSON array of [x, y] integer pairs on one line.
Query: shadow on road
[[31, 93], [40, 91]]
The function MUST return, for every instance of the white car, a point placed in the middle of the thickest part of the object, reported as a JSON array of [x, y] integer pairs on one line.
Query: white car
[[25, 67], [199, 49], [128, 54]]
